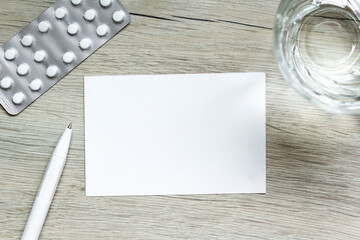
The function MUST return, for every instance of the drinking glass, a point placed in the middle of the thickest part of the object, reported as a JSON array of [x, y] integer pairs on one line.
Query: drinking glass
[[318, 51]]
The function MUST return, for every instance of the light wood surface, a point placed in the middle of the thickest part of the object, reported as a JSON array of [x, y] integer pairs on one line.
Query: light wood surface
[[313, 165]]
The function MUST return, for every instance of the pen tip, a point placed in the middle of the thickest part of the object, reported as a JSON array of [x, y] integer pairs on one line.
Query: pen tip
[[70, 126]]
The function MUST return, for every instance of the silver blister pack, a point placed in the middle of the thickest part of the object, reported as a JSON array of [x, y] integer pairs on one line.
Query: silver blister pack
[[47, 49]]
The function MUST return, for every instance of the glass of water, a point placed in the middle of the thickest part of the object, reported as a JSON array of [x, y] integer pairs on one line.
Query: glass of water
[[317, 45]]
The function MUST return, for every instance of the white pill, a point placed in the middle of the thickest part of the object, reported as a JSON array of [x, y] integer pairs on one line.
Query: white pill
[[105, 3], [35, 85], [85, 43], [118, 16], [75, 2], [39, 56], [18, 98], [10, 54], [68, 57], [43, 26], [52, 71], [90, 14], [102, 30], [27, 40], [23, 69], [60, 13], [6, 83], [73, 28]]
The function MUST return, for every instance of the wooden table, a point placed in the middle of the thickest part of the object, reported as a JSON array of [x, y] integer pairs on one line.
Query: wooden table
[[313, 165]]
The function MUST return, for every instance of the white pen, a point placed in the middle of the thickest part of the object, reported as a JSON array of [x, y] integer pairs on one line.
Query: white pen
[[47, 188]]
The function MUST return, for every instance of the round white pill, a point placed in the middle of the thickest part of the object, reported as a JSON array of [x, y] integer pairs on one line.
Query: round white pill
[[85, 43], [90, 15], [73, 28], [102, 30], [18, 98], [68, 57], [105, 3], [118, 16], [52, 71], [44, 26], [6, 83], [75, 2], [60, 13], [10, 54], [27, 40], [39, 56], [23, 69], [35, 85]]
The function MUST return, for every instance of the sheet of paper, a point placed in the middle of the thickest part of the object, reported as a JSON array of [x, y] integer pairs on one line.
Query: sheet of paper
[[175, 134]]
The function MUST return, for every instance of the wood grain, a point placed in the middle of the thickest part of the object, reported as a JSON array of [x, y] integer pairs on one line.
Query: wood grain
[[313, 163]]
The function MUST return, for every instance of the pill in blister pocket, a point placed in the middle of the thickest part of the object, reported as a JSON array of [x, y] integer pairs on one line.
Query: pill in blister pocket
[[68, 57], [18, 98], [54, 44], [105, 3], [27, 40], [102, 30], [90, 14], [76, 2], [60, 13], [35, 85], [85, 43], [118, 16], [44, 26], [6, 83], [39, 56], [73, 28], [10, 54], [23, 69], [52, 71]]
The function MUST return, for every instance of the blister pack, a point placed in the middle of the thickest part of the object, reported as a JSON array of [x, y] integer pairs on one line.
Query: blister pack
[[47, 49]]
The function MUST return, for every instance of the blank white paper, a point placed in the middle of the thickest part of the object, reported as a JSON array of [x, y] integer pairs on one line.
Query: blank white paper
[[175, 134]]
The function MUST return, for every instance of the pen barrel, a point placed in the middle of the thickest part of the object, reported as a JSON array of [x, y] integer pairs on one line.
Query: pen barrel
[[51, 178], [36, 220], [47, 189]]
